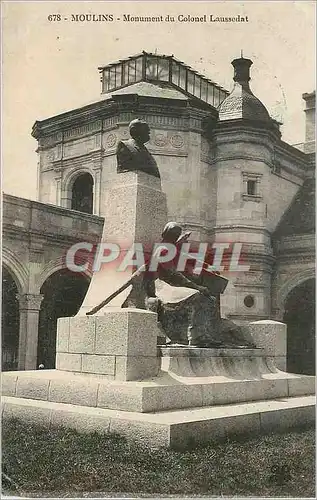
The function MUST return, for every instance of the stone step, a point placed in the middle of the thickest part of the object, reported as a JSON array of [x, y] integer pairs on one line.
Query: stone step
[[177, 429], [165, 392]]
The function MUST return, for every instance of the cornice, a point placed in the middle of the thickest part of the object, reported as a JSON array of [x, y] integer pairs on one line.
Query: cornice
[[239, 156], [283, 147], [224, 228], [250, 286], [244, 135], [124, 108], [233, 132], [232, 126], [93, 156], [73, 118], [298, 258]]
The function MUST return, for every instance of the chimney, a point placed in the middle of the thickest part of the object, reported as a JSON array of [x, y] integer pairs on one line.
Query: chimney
[[310, 121], [242, 71], [241, 103]]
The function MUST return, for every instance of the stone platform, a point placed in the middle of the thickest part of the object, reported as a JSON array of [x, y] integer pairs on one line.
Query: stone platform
[[169, 396], [246, 376], [177, 429]]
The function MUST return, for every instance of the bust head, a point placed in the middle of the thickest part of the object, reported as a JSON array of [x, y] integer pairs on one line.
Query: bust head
[[139, 131], [171, 232]]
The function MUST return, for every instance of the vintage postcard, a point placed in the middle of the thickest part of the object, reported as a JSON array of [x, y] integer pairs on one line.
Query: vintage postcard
[[158, 248]]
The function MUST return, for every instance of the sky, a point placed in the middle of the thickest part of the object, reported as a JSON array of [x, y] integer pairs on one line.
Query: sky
[[51, 66]]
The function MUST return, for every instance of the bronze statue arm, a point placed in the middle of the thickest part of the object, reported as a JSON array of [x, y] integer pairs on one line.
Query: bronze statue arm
[[175, 278]]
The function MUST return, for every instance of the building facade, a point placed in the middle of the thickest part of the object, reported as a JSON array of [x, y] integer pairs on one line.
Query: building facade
[[228, 176]]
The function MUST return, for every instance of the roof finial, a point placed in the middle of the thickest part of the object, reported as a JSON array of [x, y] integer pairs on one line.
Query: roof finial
[[241, 54]]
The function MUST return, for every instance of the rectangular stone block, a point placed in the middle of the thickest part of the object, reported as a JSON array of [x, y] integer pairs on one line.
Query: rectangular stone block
[[93, 363], [62, 335], [27, 413], [147, 433], [243, 390], [191, 434], [170, 397], [239, 425], [111, 335], [270, 335], [8, 384], [127, 332], [301, 386], [82, 393], [68, 362], [82, 335], [287, 418], [136, 368], [82, 422], [266, 389], [32, 388], [143, 333], [124, 397], [223, 393]]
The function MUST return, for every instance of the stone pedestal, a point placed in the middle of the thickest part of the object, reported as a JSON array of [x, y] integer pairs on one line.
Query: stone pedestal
[[271, 336], [121, 345], [135, 213], [108, 380], [203, 362]]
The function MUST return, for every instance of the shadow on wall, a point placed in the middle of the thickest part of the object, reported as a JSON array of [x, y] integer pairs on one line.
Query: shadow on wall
[[300, 319]]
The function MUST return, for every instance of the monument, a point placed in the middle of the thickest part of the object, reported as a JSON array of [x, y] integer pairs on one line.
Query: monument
[[135, 212], [132, 155], [111, 375]]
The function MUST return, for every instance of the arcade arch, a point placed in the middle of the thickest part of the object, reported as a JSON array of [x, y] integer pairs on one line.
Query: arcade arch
[[63, 293], [299, 316], [10, 321]]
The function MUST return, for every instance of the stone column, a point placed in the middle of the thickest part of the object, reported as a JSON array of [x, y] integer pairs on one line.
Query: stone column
[[58, 184], [66, 198], [58, 191], [97, 177], [28, 336]]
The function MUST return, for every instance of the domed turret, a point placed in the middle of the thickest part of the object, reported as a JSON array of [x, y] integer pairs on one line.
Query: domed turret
[[241, 103]]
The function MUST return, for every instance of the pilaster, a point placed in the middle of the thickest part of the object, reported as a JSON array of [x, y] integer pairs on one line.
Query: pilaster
[[29, 305]]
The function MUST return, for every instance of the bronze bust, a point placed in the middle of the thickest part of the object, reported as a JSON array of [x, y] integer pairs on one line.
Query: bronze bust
[[132, 155]]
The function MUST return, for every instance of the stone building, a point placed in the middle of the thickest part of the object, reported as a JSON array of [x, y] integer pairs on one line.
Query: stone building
[[228, 176]]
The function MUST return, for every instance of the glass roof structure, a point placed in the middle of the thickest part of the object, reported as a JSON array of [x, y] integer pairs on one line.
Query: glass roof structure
[[161, 69]]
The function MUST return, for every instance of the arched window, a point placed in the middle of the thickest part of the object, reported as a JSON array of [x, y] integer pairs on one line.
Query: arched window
[[82, 194]]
